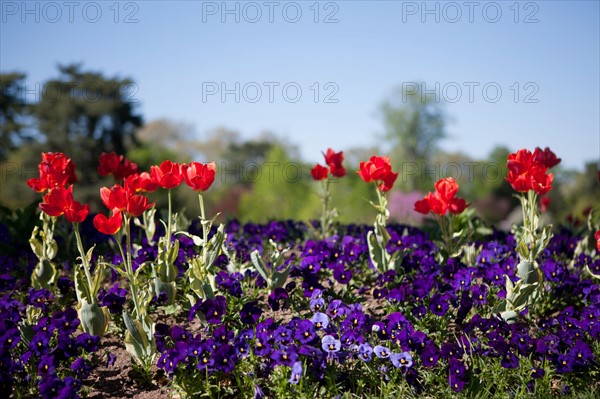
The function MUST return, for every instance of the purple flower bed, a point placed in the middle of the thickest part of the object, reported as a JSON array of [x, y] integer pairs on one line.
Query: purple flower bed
[[295, 310], [336, 323]]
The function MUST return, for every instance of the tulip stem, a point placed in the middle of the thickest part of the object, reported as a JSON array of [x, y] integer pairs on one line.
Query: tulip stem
[[204, 227], [48, 228], [84, 261], [129, 269], [383, 216], [201, 201], [325, 219], [528, 207], [168, 233]]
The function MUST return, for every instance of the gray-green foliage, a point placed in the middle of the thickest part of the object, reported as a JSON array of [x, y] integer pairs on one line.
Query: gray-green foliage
[[202, 270], [531, 240], [44, 247], [274, 274]]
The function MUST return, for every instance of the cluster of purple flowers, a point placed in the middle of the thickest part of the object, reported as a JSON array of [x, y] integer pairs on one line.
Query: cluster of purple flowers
[[425, 294], [337, 334], [334, 311], [47, 355]]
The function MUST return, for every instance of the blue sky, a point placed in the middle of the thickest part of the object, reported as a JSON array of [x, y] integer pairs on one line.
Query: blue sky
[[543, 56]]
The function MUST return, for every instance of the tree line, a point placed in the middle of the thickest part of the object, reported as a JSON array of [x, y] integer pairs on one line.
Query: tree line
[[84, 113]]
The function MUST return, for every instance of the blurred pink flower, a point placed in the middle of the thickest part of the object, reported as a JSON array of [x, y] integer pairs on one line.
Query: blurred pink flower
[[401, 207]]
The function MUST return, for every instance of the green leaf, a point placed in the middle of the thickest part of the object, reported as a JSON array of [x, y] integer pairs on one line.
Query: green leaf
[[88, 256], [510, 316], [383, 236], [588, 271], [94, 319], [378, 253], [81, 288], [36, 243], [215, 246], [51, 249], [136, 340], [524, 296], [98, 277], [526, 271], [207, 290], [279, 278], [197, 240], [259, 265], [44, 274], [509, 286]]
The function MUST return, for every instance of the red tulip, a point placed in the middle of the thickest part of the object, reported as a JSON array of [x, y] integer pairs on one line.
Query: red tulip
[[140, 183], [76, 213], [443, 200], [540, 181], [56, 170], [56, 201], [387, 181], [37, 185], [137, 204], [544, 203], [519, 182], [110, 225], [422, 206], [108, 163], [59, 201], [527, 171], [334, 161], [125, 169], [546, 157], [199, 176], [319, 172], [457, 206], [117, 165], [378, 169], [437, 203], [119, 199], [375, 168], [447, 187], [597, 237], [168, 175], [520, 162], [114, 198]]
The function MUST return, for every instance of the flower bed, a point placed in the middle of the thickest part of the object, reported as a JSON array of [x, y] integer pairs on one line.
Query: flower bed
[[288, 309]]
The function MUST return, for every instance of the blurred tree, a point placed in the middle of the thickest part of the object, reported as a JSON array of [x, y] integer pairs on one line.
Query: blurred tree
[[163, 139], [351, 196], [242, 160], [13, 110], [414, 123], [282, 190], [214, 144], [355, 155], [491, 194], [85, 113], [575, 192]]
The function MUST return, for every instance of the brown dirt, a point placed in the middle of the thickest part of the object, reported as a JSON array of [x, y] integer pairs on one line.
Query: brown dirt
[[120, 379]]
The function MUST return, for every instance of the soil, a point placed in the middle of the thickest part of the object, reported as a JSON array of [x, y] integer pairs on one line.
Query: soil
[[120, 380]]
